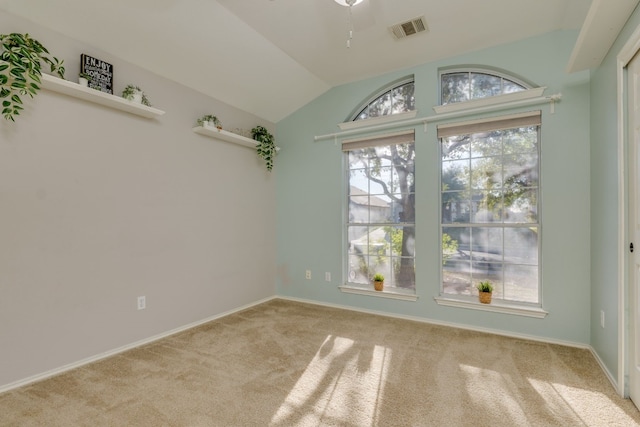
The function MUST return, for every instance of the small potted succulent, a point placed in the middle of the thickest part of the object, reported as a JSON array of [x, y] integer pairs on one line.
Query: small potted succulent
[[210, 121], [266, 146], [135, 94], [378, 281], [485, 289]]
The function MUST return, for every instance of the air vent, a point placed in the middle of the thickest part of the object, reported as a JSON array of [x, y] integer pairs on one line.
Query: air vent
[[409, 28]]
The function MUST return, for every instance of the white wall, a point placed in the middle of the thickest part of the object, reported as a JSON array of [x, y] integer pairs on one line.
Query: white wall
[[98, 207]]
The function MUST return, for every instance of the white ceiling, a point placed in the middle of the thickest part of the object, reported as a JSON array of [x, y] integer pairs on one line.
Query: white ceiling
[[270, 57]]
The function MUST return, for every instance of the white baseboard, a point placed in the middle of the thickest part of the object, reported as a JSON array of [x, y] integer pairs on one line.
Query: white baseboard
[[610, 377], [70, 366], [450, 324]]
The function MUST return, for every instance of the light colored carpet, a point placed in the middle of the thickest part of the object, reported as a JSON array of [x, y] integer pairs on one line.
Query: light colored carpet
[[284, 363]]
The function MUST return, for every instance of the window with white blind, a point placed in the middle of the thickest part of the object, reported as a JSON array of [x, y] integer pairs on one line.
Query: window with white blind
[[380, 217], [490, 207]]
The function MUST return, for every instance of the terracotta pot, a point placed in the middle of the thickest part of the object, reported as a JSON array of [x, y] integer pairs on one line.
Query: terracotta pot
[[378, 285]]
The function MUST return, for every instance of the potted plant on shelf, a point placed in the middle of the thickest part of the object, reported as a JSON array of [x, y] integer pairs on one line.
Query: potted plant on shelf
[[378, 282], [485, 290], [210, 121], [135, 94], [83, 79], [21, 60], [266, 147]]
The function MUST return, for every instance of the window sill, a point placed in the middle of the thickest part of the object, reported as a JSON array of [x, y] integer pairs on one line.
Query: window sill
[[496, 307], [490, 101], [391, 294], [378, 120]]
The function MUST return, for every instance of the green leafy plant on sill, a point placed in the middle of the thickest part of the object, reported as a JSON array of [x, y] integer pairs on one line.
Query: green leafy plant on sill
[[21, 61], [485, 286], [266, 147], [378, 277]]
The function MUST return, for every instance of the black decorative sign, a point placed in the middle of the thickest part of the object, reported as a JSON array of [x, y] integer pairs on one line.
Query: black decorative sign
[[100, 73]]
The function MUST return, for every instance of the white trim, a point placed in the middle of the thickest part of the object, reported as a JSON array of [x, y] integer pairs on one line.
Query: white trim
[[608, 374], [552, 99], [441, 323], [380, 294], [355, 124], [113, 352], [489, 101], [628, 51], [495, 306]]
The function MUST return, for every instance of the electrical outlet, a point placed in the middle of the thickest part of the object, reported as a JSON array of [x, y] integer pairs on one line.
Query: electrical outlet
[[142, 303], [327, 276], [602, 318], [308, 275]]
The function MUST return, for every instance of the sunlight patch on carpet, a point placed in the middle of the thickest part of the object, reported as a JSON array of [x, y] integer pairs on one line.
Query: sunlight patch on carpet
[[344, 382]]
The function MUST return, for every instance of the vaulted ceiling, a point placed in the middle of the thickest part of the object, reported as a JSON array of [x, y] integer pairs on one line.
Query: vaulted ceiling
[[270, 57]]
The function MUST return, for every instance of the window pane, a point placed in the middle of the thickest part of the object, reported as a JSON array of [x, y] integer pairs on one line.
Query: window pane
[[485, 85], [455, 207], [521, 283], [521, 245], [358, 269], [455, 147], [455, 87], [509, 87], [487, 206], [456, 263], [521, 206], [403, 99], [486, 173], [381, 106]]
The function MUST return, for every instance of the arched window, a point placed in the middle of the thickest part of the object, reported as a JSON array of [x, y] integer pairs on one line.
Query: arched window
[[393, 99], [490, 193], [460, 85]]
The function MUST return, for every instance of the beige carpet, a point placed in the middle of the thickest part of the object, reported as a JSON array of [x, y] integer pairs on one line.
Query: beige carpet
[[289, 364]]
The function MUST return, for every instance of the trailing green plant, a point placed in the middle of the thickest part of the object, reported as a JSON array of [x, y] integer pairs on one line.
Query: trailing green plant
[[131, 90], [209, 118], [266, 147], [378, 277], [85, 76], [21, 61], [485, 286]]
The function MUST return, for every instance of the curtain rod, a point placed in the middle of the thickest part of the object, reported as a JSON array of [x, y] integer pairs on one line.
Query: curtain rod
[[424, 120]]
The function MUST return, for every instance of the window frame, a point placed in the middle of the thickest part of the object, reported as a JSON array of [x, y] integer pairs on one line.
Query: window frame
[[408, 294], [469, 109]]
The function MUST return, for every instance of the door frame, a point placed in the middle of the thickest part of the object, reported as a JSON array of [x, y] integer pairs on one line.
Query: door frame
[[628, 51]]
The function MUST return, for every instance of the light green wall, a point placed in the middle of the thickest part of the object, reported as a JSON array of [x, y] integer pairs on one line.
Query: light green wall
[[310, 195], [605, 203]]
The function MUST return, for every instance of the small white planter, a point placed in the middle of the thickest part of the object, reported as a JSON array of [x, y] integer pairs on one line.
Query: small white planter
[[83, 82], [137, 97]]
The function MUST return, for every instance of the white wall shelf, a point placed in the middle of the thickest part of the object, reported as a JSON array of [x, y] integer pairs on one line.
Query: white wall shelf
[[66, 87], [225, 136]]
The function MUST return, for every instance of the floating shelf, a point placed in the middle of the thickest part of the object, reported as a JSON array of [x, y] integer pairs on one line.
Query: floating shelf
[[66, 87], [225, 136]]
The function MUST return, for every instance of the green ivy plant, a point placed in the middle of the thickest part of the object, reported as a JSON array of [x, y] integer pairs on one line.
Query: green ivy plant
[[21, 59], [131, 90], [266, 147]]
